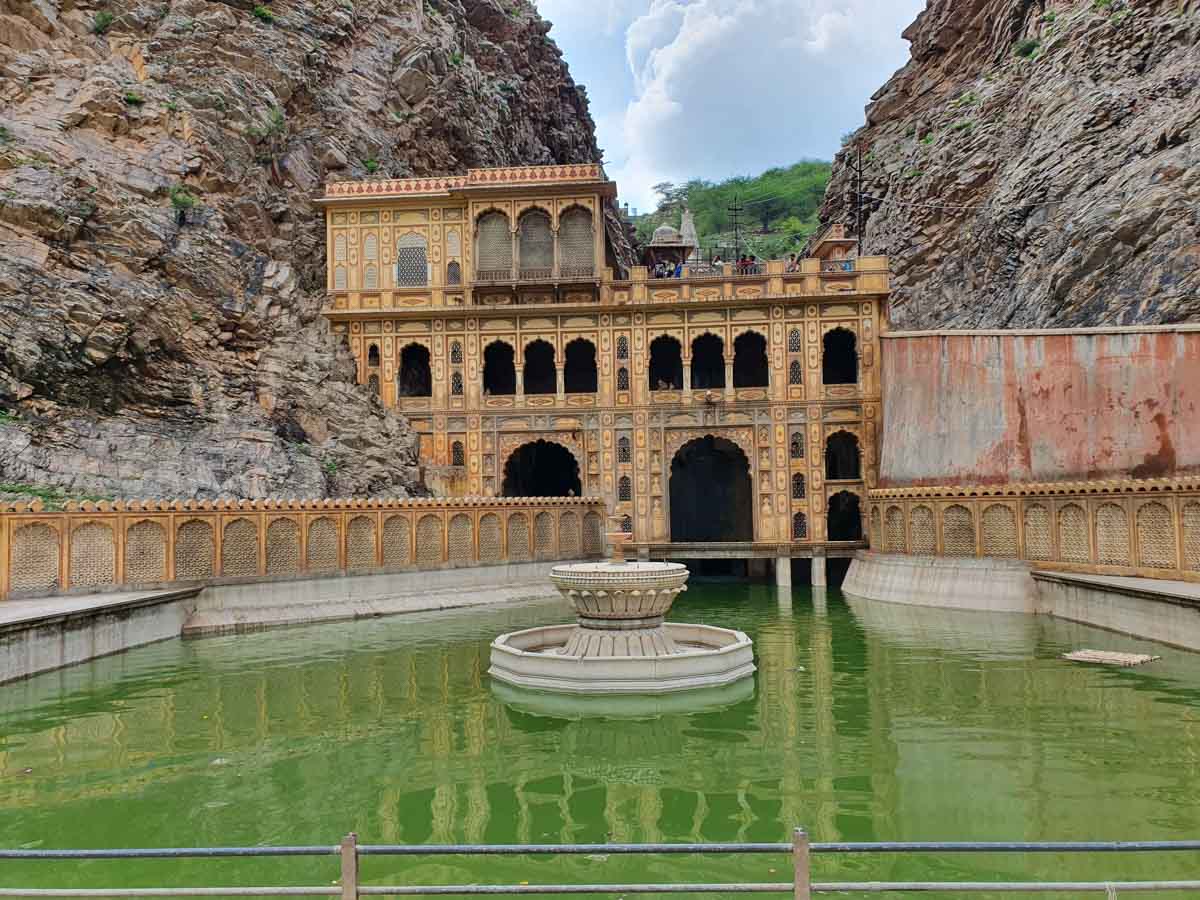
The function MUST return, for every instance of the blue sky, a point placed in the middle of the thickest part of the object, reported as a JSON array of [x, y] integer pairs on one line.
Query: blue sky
[[683, 89]]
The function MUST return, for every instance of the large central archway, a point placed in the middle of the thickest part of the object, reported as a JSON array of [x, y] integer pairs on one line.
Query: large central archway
[[541, 469], [711, 495]]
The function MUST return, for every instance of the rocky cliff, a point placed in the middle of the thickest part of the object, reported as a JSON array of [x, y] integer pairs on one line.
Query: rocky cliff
[[1037, 163], [162, 264]]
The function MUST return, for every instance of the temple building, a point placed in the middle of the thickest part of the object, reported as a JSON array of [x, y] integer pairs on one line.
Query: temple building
[[725, 412]]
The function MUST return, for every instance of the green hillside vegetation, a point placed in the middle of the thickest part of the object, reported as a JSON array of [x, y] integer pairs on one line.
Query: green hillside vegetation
[[780, 209]]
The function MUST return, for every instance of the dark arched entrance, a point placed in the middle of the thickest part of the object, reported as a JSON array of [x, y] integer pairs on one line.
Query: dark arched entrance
[[842, 458], [499, 370], [541, 469], [839, 361], [579, 372], [414, 378], [750, 367], [666, 364], [711, 495], [844, 517], [540, 376], [708, 362]]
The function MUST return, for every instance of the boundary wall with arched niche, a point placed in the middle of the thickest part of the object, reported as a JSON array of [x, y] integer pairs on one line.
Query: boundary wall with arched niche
[[141, 544]]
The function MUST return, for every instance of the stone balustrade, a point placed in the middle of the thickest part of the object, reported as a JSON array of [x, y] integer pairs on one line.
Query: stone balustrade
[[131, 544], [1145, 527]]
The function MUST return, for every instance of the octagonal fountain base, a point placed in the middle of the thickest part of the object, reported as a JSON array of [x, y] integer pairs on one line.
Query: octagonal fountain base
[[620, 643]]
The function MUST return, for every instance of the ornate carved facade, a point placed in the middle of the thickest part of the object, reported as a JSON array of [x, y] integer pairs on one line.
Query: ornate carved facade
[[518, 329]]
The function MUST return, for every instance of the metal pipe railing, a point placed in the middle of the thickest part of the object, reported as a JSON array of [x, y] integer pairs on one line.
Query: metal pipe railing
[[801, 887]]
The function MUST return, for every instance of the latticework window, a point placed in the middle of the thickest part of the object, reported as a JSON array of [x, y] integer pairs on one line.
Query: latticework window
[[958, 531], [795, 372], [543, 536], [194, 551], [794, 341], [239, 549], [627, 524], [535, 242], [593, 537], [623, 453], [412, 261], [489, 538], [322, 545], [371, 277], [429, 541], [360, 544], [456, 356], [569, 538], [93, 555], [625, 488], [373, 384], [1073, 534], [339, 248], [458, 456], [397, 541], [1156, 536], [1037, 532], [493, 250], [453, 244], [146, 553], [576, 247], [1191, 537], [339, 278], [371, 248], [517, 530], [35, 558], [456, 383], [283, 547], [999, 531], [453, 273], [622, 379], [876, 528], [460, 540], [622, 347], [893, 523], [797, 447], [1112, 535], [920, 527], [799, 527], [798, 492]]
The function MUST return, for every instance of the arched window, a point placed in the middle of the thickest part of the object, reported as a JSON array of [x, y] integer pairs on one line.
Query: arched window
[[540, 376], [373, 384], [373, 356], [708, 362], [499, 369], [622, 347], [622, 379], [794, 341], [535, 243], [624, 488], [627, 524], [414, 378], [371, 277], [622, 449], [453, 272], [576, 246], [579, 370], [456, 383], [666, 364], [799, 527], [798, 492], [842, 457], [797, 445], [750, 360], [456, 353], [371, 248], [493, 246], [844, 518], [412, 263], [839, 363], [339, 248], [339, 278], [458, 456], [795, 372]]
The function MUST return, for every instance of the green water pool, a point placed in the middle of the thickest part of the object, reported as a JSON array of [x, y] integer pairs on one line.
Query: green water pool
[[864, 722]]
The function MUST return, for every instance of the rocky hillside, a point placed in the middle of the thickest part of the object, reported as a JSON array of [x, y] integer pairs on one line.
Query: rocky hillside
[[162, 263], [1037, 163]]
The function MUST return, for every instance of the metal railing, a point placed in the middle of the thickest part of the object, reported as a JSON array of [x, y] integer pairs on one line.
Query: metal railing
[[801, 887]]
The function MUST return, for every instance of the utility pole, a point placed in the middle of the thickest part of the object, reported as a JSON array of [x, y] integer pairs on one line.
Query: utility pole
[[735, 212]]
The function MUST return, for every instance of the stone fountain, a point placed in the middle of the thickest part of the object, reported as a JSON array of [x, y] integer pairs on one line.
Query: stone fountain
[[620, 643]]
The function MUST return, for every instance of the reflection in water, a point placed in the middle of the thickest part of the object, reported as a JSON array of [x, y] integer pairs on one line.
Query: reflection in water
[[865, 721], [617, 706]]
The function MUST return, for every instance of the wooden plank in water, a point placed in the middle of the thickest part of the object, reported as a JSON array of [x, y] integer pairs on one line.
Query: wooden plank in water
[[1109, 657]]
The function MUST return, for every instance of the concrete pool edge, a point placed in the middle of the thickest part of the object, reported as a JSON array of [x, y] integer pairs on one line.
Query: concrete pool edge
[[1163, 611]]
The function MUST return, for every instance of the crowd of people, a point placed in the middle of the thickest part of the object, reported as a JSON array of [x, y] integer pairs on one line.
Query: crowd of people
[[746, 264]]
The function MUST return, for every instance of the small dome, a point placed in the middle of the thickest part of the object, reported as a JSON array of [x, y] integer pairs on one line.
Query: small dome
[[665, 234]]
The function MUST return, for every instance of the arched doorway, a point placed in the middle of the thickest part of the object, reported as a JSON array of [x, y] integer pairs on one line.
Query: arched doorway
[[750, 360], [414, 378], [842, 459], [540, 376], [499, 369], [541, 469], [839, 361], [844, 519], [708, 362], [711, 494], [666, 364], [579, 369]]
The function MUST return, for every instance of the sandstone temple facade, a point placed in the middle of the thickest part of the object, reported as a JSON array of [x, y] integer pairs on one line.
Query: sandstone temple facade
[[729, 406]]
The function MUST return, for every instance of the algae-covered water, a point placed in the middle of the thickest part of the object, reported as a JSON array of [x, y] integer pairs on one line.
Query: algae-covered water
[[864, 722]]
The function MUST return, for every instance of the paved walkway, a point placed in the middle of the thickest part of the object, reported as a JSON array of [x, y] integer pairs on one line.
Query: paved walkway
[[1186, 591], [23, 613]]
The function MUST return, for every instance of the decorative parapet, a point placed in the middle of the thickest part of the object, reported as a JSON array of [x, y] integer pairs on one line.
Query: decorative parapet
[[1148, 528], [497, 177], [128, 544]]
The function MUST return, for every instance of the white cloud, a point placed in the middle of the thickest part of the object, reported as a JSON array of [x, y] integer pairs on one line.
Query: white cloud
[[724, 87]]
